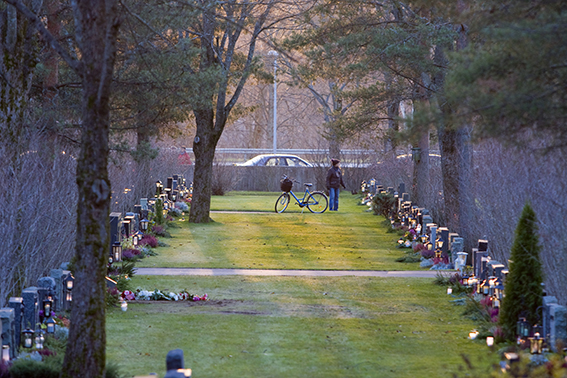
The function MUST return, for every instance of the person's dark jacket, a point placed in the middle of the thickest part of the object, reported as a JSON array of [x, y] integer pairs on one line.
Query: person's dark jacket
[[334, 178]]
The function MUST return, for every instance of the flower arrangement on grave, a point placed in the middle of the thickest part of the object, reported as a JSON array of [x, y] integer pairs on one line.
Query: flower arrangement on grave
[[158, 295]]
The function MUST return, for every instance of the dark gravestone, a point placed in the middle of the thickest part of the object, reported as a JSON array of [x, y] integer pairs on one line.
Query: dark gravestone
[[482, 245], [444, 233], [115, 229], [558, 325], [17, 304], [174, 185], [48, 285], [8, 330], [547, 301], [401, 188], [169, 183], [144, 203], [138, 209], [31, 317], [127, 225], [175, 365], [405, 197]]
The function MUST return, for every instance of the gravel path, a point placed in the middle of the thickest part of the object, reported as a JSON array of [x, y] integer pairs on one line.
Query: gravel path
[[283, 272]]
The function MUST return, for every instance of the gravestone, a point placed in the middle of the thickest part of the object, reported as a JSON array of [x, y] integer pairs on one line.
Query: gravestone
[[115, 229], [452, 236], [169, 183], [138, 210], [425, 220], [175, 365], [405, 197], [557, 325], [457, 246], [483, 274], [48, 285], [494, 268], [547, 301], [174, 185], [390, 190], [8, 329], [17, 304], [144, 203], [444, 232], [401, 188], [433, 235], [31, 316], [482, 245], [58, 276]]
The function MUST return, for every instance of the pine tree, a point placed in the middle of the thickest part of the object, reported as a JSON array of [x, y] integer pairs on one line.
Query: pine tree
[[523, 285]]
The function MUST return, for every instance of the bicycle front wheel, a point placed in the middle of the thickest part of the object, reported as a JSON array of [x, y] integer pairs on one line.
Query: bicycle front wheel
[[282, 202], [317, 202]]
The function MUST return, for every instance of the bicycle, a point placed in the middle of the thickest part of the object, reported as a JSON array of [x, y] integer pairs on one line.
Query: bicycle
[[316, 202]]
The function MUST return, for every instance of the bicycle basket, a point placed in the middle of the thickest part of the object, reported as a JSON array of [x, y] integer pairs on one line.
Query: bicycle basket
[[286, 185]]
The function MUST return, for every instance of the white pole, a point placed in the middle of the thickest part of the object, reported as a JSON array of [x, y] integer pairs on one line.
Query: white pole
[[275, 55]]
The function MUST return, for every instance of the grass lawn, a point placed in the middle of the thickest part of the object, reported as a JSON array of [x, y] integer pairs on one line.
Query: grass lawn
[[296, 327], [292, 326], [351, 238]]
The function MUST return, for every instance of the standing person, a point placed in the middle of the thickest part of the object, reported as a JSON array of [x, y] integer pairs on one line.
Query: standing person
[[334, 182]]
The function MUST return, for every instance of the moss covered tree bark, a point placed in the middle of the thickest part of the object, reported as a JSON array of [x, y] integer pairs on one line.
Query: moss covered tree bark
[[96, 28]]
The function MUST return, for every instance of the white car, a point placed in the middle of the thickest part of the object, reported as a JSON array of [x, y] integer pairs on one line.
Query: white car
[[274, 160]]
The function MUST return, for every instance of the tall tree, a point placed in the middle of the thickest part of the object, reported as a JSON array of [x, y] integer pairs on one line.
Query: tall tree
[[226, 35], [96, 29], [512, 80], [523, 284]]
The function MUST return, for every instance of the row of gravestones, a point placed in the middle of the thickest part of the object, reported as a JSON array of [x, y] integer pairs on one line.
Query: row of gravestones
[[23, 313], [554, 322]]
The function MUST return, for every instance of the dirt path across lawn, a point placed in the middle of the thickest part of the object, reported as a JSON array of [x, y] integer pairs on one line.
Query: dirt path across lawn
[[284, 272]]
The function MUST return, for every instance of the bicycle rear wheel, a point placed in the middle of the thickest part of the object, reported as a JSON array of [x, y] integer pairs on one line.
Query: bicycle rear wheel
[[282, 202], [317, 202]]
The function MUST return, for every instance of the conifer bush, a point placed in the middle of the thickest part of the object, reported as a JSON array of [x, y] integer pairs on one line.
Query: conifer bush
[[523, 285]]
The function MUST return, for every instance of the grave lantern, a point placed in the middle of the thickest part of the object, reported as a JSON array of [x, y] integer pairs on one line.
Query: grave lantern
[[39, 339], [522, 328], [144, 224], [423, 239], [5, 353], [28, 338], [489, 341], [486, 287], [124, 306], [473, 334], [173, 195], [135, 240], [47, 305], [70, 282], [50, 325], [536, 344], [117, 251]]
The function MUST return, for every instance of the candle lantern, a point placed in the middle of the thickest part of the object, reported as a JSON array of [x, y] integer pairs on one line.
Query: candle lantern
[[522, 328], [28, 338], [449, 290], [50, 325], [39, 339], [473, 334], [536, 344], [124, 306], [47, 305], [69, 282], [490, 341], [5, 353], [144, 225], [117, 251]]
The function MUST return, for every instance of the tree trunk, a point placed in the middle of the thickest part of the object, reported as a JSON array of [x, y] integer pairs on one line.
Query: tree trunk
[[204, 149], [96, 35], [421, 186]]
